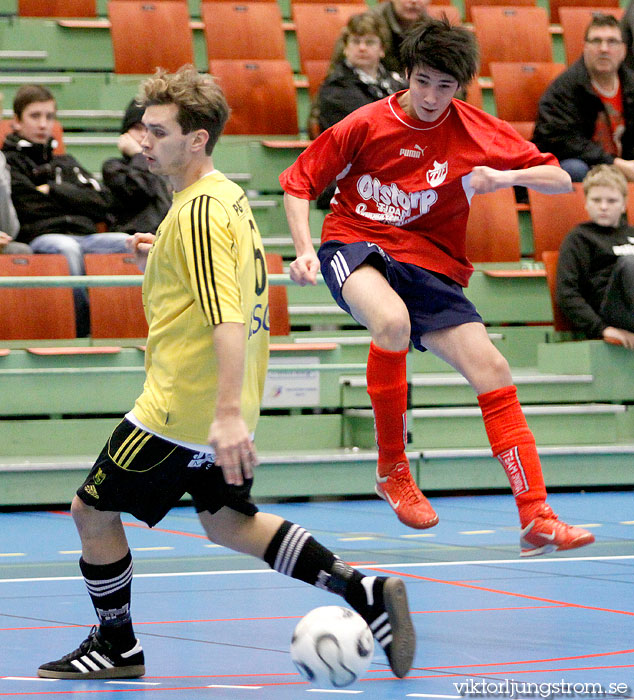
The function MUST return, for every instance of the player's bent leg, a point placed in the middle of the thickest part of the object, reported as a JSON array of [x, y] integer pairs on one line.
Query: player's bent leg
[[468, 349], [242, 533], [376, 305], [290, 550]]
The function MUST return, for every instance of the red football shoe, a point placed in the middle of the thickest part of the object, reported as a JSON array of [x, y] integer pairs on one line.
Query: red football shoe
[[399, 489], [546, 533]]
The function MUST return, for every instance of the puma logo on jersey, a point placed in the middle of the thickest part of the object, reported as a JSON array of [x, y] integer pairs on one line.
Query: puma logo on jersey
[[412, 152]]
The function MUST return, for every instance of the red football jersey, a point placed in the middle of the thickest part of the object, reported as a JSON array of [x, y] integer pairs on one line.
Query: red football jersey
[[404, 183]]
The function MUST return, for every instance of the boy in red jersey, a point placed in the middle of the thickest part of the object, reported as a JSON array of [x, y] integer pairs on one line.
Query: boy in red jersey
[[393, 256]]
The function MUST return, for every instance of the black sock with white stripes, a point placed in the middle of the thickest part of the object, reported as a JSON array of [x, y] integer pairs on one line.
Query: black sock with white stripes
[[294, 552], [110, 589]]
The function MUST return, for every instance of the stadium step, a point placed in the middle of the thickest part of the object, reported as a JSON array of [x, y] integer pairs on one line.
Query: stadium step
[[451, 389], [458, 427], [343, 472]]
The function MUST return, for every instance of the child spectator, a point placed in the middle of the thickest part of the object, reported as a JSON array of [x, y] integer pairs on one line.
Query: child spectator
[[58, 202], [595, 274]]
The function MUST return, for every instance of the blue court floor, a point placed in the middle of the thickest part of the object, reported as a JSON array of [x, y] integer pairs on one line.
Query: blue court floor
[[215, 624]]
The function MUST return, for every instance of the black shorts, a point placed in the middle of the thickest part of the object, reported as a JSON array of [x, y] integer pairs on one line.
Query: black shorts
[[433, 300], [142, 474]]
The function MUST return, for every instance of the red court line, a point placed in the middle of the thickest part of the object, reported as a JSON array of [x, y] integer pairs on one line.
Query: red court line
[[142, 526], [460, 584], [486, 674], [286, 683], [277, 617], [540, 661]]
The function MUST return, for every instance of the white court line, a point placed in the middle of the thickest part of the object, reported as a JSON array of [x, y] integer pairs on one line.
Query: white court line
[[324, 690], [393, 565], [28, 678], [237, 687], [131, 683], [429, 695]]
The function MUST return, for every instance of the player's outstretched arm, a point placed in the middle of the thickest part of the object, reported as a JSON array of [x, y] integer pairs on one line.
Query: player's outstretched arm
[[549, 179], [140, 244], [228, 433], [305, 267]]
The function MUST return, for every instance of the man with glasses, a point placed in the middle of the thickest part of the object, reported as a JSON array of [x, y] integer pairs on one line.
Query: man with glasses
[[586, 116]]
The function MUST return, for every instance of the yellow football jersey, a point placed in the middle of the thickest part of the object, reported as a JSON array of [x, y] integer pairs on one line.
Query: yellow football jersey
[[206, 267]]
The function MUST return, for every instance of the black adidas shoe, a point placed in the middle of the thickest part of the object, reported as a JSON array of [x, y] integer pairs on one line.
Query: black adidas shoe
[[386, 611], [96, 658]]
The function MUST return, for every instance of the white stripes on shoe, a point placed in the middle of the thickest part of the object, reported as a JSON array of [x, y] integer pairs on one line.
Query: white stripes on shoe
[[382, 630], [290, 549], [340, 267], [135, 650], [105, 587], [93, 661]]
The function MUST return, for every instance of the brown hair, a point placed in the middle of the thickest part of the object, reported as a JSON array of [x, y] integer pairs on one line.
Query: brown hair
[[200, 101], [28, 94], [366, 23], [603, 20]]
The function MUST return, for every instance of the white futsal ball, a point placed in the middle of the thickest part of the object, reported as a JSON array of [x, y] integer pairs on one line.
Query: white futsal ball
[[332, 646]]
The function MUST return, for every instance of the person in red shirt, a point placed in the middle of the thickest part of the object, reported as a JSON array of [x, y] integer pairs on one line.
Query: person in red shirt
[[393, 256]]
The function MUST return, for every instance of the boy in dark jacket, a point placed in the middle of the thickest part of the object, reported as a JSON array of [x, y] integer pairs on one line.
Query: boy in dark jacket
[[58, 202], [595, 274], [139, 199]]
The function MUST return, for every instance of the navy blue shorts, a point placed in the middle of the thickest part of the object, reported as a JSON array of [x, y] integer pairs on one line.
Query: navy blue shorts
[[433, 300], [143, 474]]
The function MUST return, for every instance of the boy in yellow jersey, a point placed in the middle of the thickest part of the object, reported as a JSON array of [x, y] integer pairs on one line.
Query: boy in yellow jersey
[[191, 430]]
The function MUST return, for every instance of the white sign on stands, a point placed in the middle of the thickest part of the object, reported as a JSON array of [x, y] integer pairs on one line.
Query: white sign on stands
[[284, 389]]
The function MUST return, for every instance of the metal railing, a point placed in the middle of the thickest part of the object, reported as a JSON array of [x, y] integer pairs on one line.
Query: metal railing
[[104, 281]]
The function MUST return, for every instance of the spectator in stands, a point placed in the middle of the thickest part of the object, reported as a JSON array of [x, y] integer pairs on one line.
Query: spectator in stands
[[393, 257], [139, 199], [586, 116], [595, 274], [357, 79], [360, 76], [398, 16], [58, 203], [9, 224]]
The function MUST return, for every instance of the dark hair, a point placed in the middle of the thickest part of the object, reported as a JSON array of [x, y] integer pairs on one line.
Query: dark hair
[[200, 101], [28, 94], [440, 45], [603, 20]]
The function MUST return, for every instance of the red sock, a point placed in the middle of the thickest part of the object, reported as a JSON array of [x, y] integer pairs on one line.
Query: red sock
[[513, 444], [387, 385]]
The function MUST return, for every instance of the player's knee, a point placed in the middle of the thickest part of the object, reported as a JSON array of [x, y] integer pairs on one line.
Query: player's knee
[[498, 370], [89, 521], [81, 513], [392, 331]]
